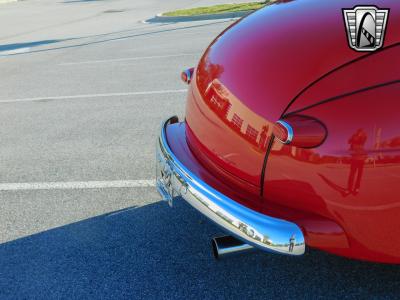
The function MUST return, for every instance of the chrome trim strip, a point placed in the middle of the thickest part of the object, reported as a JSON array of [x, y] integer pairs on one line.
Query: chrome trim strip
[[256, 229], [289, 130]]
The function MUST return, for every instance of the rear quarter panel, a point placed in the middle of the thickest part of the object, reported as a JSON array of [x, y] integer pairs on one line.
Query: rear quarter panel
[[354, 177]]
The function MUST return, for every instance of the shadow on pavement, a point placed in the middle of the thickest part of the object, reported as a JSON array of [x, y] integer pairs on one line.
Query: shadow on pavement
[[9, 47], [106, 39], [155, 252]]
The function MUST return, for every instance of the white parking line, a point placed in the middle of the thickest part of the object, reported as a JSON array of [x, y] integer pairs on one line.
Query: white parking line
[[76, 185], [125, 59], [93, 96]]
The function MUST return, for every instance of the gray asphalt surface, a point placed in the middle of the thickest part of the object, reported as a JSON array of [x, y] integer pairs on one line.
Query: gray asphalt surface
[[69, 112]]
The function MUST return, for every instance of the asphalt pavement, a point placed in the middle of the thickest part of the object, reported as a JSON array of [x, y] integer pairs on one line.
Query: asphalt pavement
[[84, 86]]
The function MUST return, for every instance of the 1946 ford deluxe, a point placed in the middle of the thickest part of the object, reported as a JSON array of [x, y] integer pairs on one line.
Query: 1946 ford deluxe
[[291, 137]]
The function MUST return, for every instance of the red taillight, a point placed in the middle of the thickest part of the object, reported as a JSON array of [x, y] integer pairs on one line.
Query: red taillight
[[187, 75], [300, 131]]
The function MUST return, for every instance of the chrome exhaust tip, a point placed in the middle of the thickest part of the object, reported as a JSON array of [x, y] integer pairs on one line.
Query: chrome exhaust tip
[[228, 245]]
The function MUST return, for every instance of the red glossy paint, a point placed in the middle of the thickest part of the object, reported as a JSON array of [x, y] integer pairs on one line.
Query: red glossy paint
[[353, 178], [339, 179]]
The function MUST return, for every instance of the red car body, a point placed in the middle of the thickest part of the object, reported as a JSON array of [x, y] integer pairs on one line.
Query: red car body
[[291, 61]]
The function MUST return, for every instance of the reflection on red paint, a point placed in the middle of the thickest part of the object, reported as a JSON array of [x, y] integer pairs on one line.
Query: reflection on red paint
[[358, 156], [235, 137], [352, 177]]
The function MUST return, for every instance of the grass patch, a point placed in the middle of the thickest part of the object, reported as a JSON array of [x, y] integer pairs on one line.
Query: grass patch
[[216, 9]]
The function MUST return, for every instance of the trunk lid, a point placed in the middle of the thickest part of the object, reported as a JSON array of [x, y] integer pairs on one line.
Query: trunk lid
[[249, 75]]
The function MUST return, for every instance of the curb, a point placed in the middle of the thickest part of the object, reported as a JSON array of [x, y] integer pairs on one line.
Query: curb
[[7, 1], [159, 18]]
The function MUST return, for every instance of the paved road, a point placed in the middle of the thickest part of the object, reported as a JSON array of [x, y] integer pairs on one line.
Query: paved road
[[84, 86]]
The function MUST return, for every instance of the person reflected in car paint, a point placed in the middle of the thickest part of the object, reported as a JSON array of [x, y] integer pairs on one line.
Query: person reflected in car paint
[[358, 156]]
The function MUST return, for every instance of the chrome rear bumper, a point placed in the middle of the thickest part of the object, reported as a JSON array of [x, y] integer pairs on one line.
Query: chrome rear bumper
[[261, 231]]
